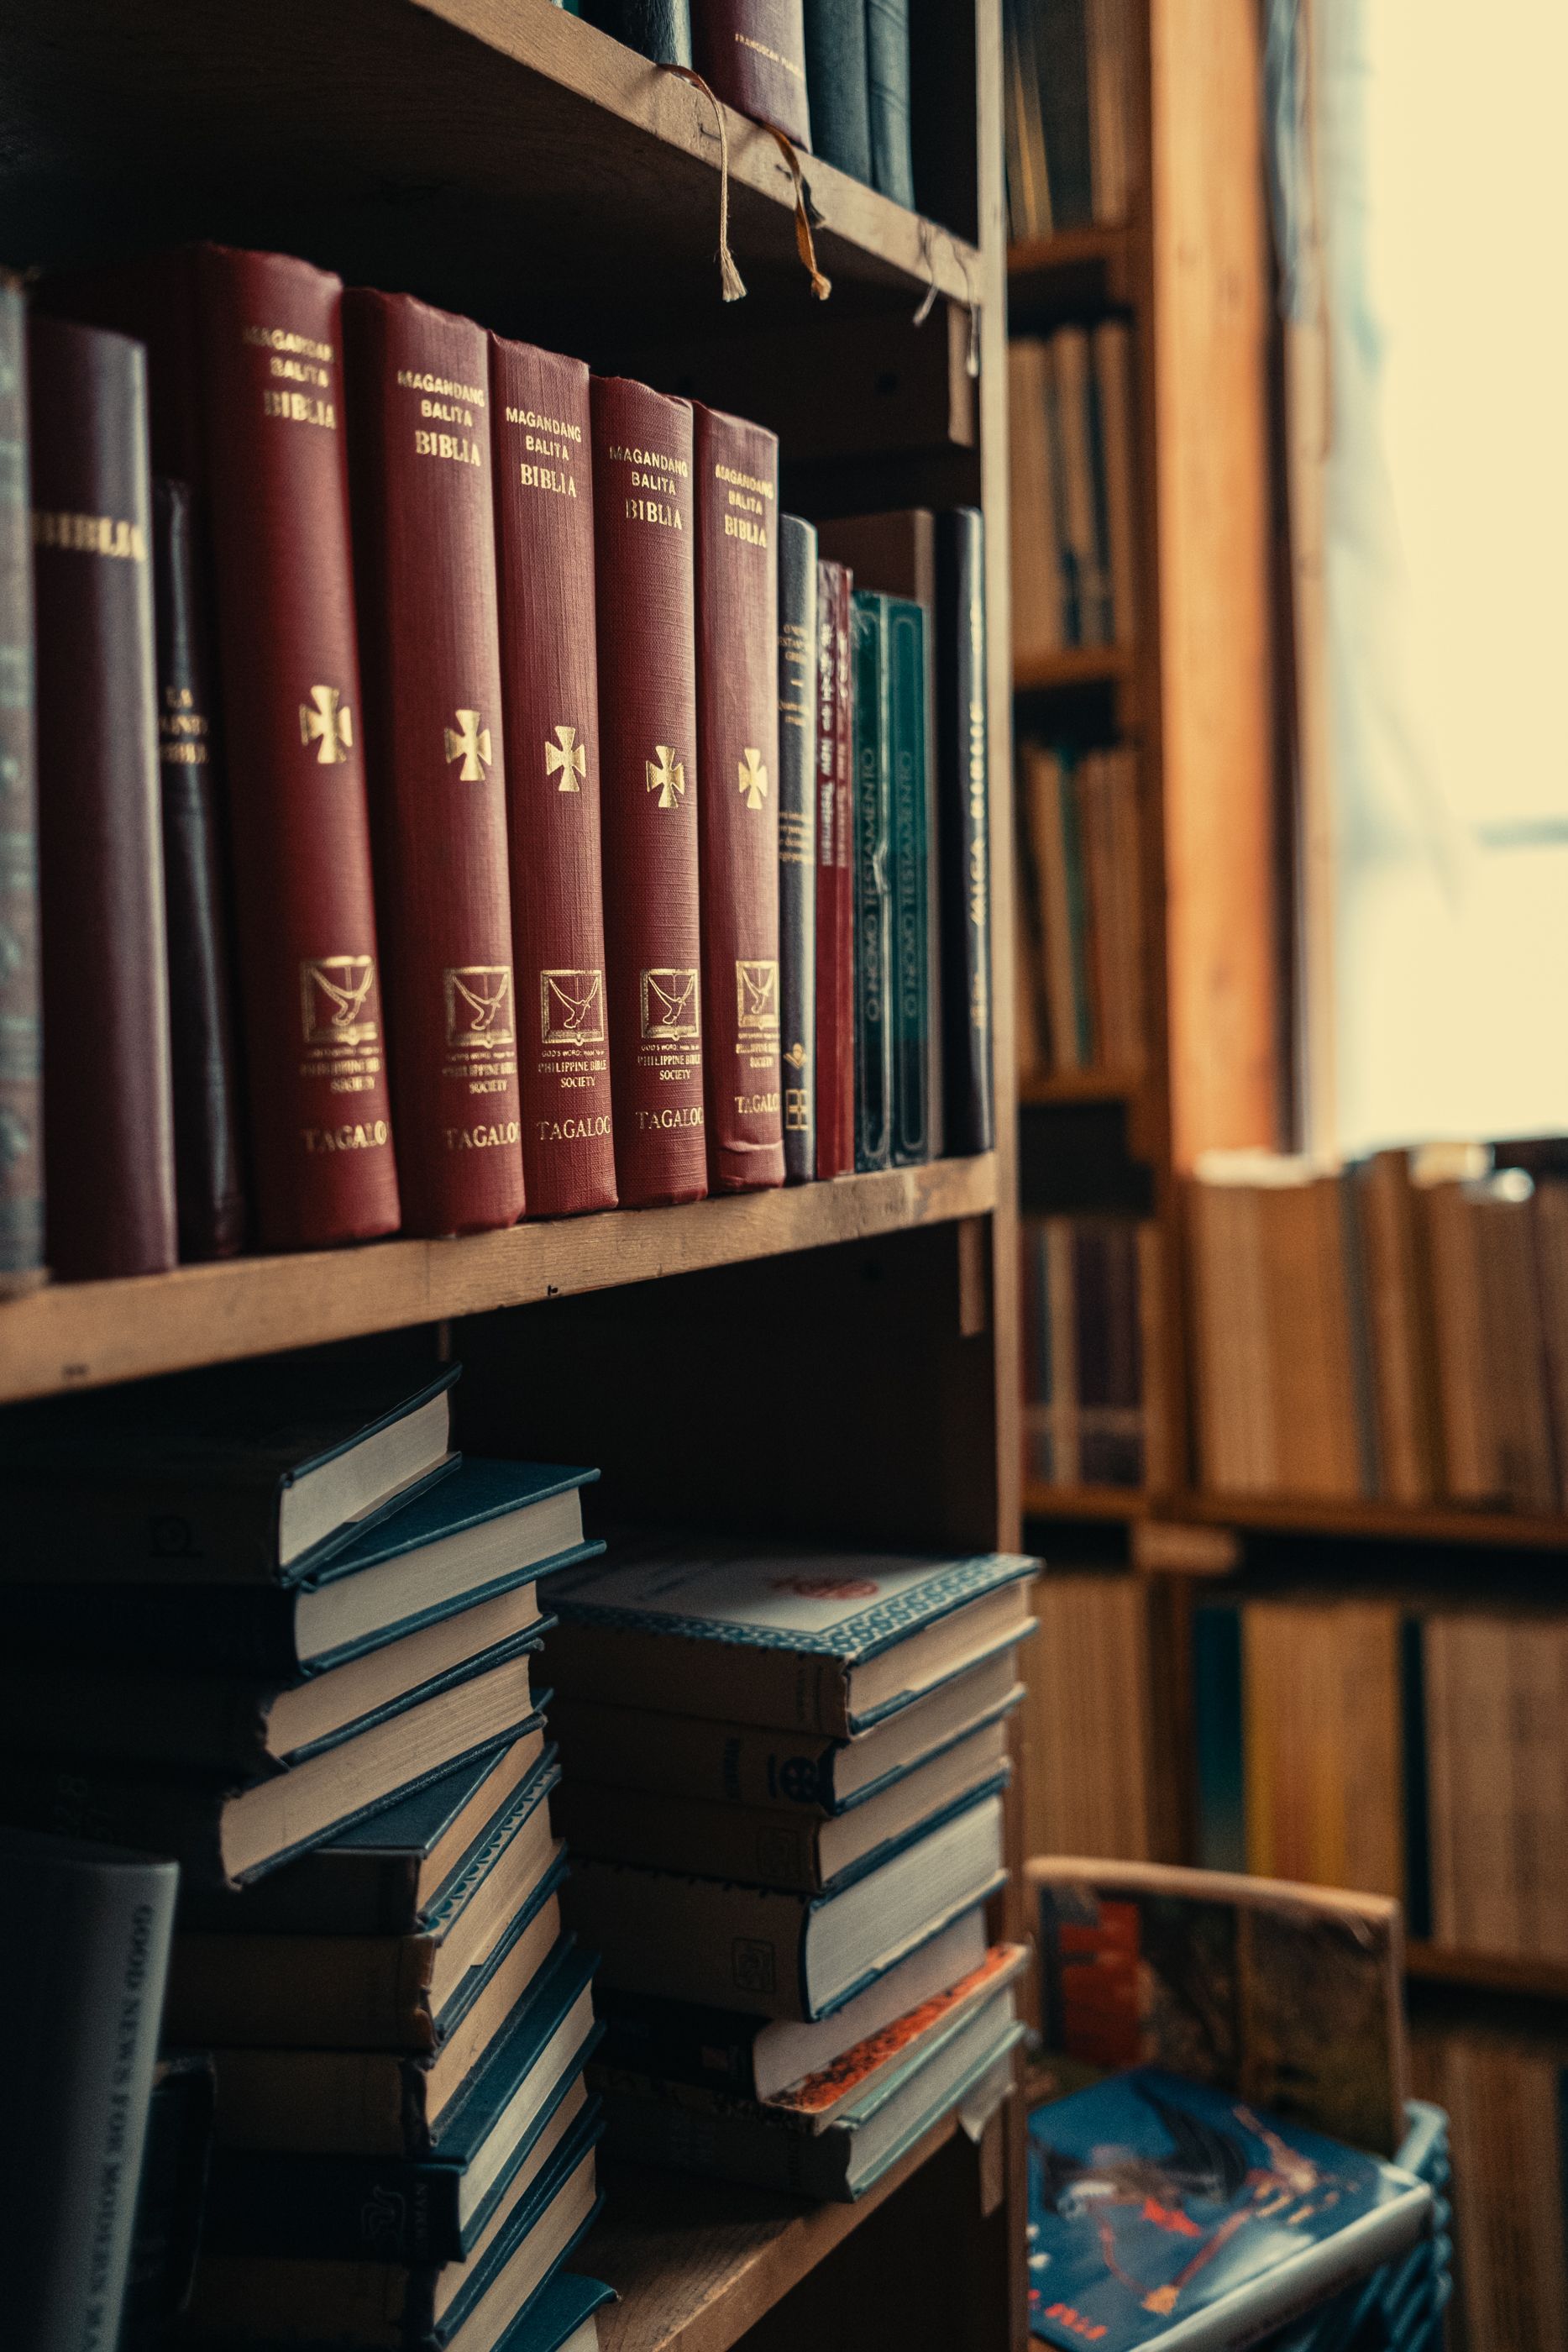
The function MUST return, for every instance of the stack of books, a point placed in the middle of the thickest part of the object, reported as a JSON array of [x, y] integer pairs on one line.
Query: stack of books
[[784, 1798], [430, 882], [1090, 1293], [1069, 118], [1392, 1328], [1071, 435], [1081, 994], [273, 1626]]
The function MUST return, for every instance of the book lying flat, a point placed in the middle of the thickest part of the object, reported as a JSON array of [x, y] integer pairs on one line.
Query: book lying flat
[[718, 2053], [481, 1527], [769, 1849], [778, 1954], [408, 2306], [513, 2113], [561, 2317], [758, 1764], [829, 1642], [257, 1471], [383, 1876], [968, 2053], [1166, 2212], [223, 1724], [374, 1992], [223, 1834]]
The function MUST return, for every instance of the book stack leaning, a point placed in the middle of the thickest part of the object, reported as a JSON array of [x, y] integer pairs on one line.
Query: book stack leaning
[[275, 1627], [784, 1792]]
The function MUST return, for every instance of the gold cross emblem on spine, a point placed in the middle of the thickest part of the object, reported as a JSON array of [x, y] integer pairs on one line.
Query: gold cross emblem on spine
[[471, 744], [330, 724], [568, 758], [666, 776], [753, 779]]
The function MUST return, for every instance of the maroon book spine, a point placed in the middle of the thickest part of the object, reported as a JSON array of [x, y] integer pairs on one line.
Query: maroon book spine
[[278, 485], [754, 54], [835, 876], [645, 527], [542, 434], [425, 547], [109, 1139], [737, 754]]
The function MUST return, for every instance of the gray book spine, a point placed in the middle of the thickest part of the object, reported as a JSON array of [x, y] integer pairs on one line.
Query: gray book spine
[[101, 1926], [797, 842]]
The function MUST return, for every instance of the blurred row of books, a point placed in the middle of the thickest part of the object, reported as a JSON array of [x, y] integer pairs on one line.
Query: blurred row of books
[[1080, 930], [1069, 119], [1074, 546], [1090, 1292]]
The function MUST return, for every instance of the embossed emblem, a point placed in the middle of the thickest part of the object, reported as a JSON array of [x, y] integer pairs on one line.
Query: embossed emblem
[[572, 1008], [469, 742], [796, 1055], [666, 776], [333, 991], [568, 758], [756, 997], [478, 1006], [330, 724], [669, 1006], [753, 779]]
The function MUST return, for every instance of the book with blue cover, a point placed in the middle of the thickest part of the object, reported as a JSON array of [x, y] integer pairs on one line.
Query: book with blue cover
[[481, 1529], [561, 2317], [819, 1640], [1169, 2213]]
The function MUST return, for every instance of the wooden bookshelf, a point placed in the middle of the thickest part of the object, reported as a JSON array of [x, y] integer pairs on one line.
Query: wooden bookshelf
[[1487, 1971], [1365, 1519], [1045, 1501], [1080, 1086], [504, 159], [1091, 267]]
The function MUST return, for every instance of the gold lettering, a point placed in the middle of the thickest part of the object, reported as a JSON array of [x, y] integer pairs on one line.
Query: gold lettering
[[544, 423], [280, 339], [81, 534], [542, 477], [368, 1135], [755, 534], [650, 510], [443, 386], [298, 408]]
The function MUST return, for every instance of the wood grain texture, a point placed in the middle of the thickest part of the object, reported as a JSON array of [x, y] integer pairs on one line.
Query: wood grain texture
[[86, 1334]]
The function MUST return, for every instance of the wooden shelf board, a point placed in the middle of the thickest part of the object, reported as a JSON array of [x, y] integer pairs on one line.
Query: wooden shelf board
[[1072, 668], [1080, 1086], [1102, 245], [86, 1334], [590, 159], [697, 2263], [1049, 1502], [1487, 1971], [1401, 1522]]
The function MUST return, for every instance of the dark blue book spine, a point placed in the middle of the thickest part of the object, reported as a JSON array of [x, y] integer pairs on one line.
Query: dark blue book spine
[[348, 2209], [661, 30], [909, 769], [887, 74], [873, 961], [838, 86], [963, 820], [797, 842]]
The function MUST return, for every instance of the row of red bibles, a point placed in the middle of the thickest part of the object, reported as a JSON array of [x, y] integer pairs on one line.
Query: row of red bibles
[[481, 625]]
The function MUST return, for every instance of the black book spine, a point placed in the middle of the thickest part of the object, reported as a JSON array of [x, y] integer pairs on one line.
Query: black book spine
[[661, 30], [873, 957], [887, 76], [838, 87], [962, 827], [647, 2040], [21, 1047], [797, 842], [361, 2208], [209, 1190], [1061, 54], [227, 1630]]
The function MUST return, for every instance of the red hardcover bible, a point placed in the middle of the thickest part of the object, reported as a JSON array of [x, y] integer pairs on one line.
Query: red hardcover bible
[[270, 336], [835, 876], [424, 555], [541, 435], [737, 754], [645, 527], [754, 54], [109, 1135]]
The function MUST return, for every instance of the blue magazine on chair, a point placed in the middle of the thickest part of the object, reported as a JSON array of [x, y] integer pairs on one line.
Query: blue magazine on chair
[[1164, 2213]]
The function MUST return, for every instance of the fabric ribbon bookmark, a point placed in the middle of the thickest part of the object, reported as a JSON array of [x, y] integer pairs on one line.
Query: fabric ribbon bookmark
[[805, 245], [731, 282]]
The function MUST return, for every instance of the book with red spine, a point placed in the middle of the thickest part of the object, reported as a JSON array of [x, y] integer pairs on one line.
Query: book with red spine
[[737, 758], [541, 437], [270, 334], [835, 875], [424, 553], [754, 54], [644, 532], [109, 1122]]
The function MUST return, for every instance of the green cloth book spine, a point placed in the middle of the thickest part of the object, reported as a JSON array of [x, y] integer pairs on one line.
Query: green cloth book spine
[[913, 1003], [873, 815]]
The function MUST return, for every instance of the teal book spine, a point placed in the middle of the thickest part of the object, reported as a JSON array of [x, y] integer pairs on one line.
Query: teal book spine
[[872, 819], [913, 1006]]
